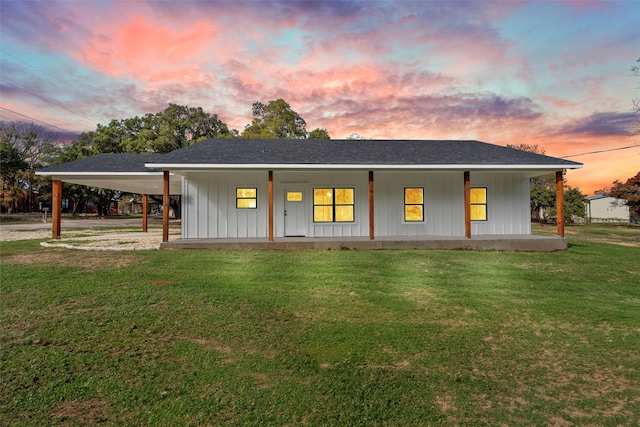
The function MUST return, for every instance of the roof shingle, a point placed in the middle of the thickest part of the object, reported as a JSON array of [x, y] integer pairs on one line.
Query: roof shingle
[[315, 152], [107, 162], [354, 152]]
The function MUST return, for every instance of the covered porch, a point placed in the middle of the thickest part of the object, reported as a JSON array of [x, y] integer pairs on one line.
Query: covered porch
[[166, 175], [170, 185]]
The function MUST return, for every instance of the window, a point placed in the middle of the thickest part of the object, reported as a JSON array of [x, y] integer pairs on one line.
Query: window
[[294, 196], [414, 204], [246, 198], [478, 204], [333, 205]]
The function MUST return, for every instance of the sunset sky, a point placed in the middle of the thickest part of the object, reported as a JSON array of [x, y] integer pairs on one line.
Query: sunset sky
[[552, 73]]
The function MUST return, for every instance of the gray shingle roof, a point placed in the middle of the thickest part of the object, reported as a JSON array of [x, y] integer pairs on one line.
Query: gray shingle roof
[[107, 163], [123, 172], [310, 152], [354, 152]]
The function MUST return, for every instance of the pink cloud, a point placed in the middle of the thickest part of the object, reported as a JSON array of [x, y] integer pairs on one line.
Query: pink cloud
[[152, 52], [557, 102]]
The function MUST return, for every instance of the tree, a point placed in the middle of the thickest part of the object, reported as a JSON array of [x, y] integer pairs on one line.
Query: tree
[[275, 120], [630, 192], [542, 188], [176, 127], [543, 193], [574, 204], [79, 195], [12, 166], [542, 197], [319, 134], [355, 137], [11, 162], [32, 144]]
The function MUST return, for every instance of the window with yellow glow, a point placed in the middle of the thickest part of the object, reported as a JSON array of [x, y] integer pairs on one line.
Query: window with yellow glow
[[333, 205], [246, 198], [294, 196], [414, 204], [478, 204]]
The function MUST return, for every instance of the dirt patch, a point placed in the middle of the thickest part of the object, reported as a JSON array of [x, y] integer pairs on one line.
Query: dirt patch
[[446, 403], [62, 257], [86, 412], [92, 239], [213, 344], [261, 380], [11, 235], [616, 242], [163, 282], [631, 239]]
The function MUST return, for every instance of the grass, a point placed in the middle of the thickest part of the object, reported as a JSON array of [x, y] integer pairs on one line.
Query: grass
[[201, 337]]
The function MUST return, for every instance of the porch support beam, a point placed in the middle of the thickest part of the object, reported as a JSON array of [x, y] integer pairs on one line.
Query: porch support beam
[[371, 206], [560, 203], [145, 219], [56, 208], [270, 196], [467, 205], [165, 207]]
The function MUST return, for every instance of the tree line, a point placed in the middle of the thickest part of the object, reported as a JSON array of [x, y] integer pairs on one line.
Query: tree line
[[26, 147]]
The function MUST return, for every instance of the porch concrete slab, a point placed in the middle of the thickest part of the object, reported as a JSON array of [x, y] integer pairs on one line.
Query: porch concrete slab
[[527, 243]]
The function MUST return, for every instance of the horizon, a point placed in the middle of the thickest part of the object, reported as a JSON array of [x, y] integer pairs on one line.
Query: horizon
[[555, 74]]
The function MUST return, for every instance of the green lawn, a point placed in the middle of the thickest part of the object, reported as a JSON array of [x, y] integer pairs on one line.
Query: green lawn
[[396, 338]]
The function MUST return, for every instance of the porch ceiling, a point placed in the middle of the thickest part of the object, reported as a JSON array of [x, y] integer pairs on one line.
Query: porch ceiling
[[139, 183], [115, 171]]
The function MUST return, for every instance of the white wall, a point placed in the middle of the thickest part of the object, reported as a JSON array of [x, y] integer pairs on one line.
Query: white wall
[[359, 181], [209, 205], [608, 209], [209, 210], [508, 203], [443, 209]]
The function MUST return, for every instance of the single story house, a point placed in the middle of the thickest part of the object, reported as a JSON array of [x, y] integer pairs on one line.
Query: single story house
[[607, 209], [274, 190]]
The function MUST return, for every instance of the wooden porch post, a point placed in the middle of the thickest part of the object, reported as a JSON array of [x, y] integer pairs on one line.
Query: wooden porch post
[[165, 208], [145, 202], [270, 196], [467, 205], [56, 208], [560, 203], [371, 206]]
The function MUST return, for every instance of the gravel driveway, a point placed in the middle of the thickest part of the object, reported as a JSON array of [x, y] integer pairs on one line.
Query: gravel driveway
[[88, 234]]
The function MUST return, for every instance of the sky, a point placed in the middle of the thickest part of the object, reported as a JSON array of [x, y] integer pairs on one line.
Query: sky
[[556, 74]]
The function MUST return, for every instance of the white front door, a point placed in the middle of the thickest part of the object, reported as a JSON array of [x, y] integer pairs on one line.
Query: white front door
[[295, 217]]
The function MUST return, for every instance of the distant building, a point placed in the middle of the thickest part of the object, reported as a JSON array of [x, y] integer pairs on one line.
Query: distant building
[[607, 209]]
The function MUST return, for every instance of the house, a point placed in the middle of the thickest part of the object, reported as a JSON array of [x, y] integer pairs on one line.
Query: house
[[607, 209], [268, 189]]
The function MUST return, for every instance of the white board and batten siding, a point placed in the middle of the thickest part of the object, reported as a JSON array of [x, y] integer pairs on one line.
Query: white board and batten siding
[[306, 181], [209, 203], [443, 203], [508, 203]]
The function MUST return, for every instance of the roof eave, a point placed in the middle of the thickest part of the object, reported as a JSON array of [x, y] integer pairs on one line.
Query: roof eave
[[293, 166], [85, 173]]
